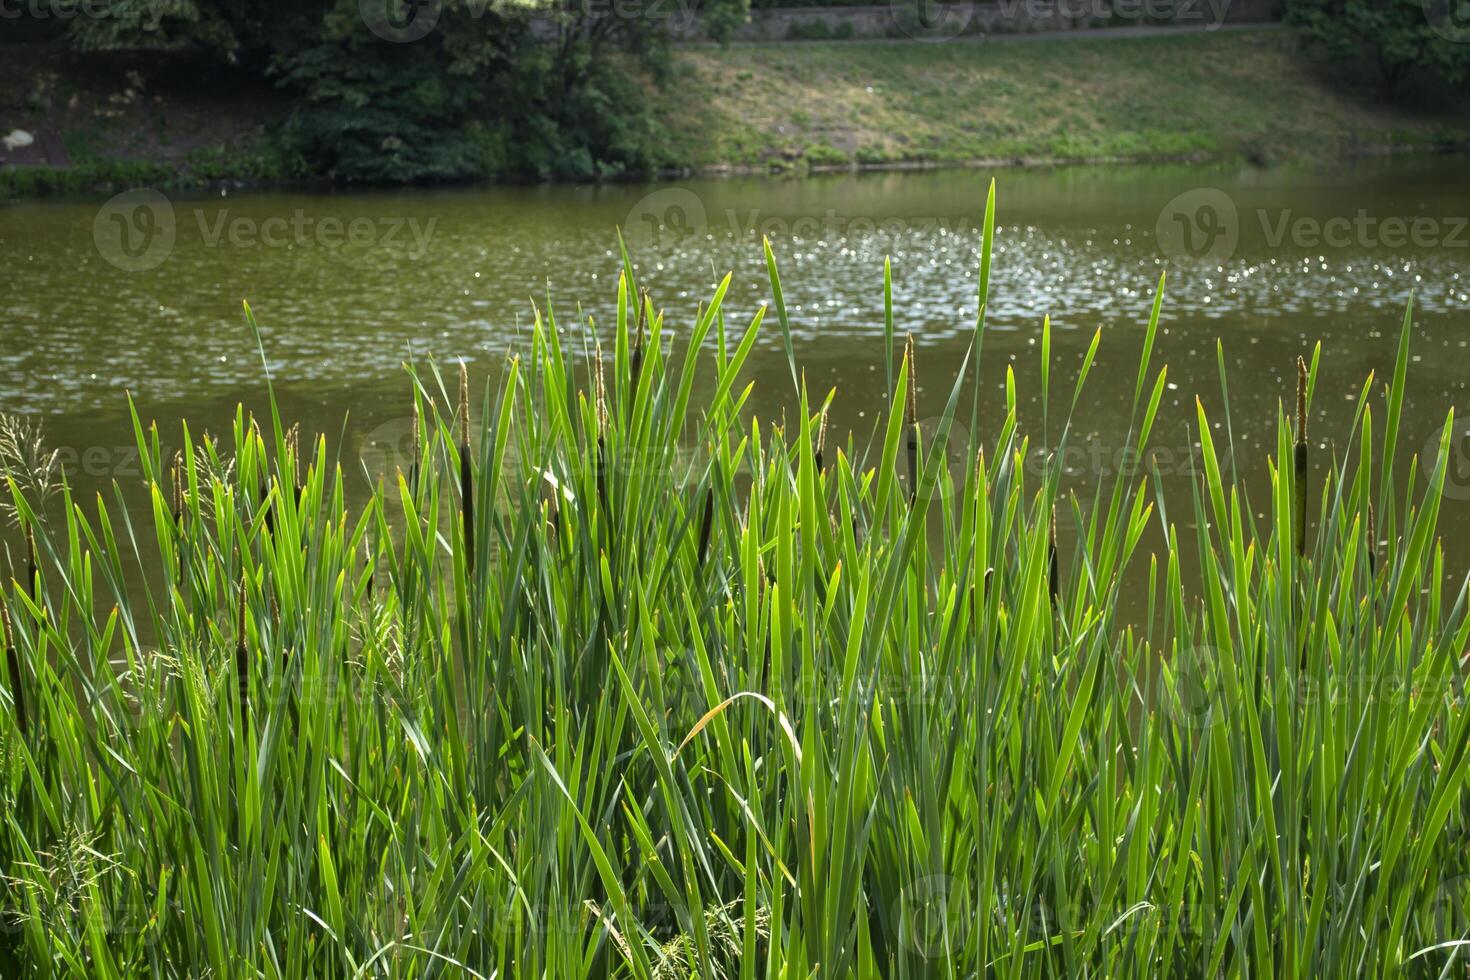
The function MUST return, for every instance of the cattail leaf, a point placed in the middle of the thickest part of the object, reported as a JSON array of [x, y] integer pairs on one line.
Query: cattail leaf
[[781, 317]]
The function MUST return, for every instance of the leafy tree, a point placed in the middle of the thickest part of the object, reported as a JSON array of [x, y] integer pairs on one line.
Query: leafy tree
[[1400, 36], [401, 90]]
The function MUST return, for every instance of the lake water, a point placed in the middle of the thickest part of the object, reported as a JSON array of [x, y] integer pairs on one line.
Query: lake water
[[142, 294]]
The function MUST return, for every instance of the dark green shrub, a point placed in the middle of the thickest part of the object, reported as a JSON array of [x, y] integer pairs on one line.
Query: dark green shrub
[[1400, 37]]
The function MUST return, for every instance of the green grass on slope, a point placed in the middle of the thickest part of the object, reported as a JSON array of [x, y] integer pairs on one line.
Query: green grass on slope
[[1252, 93]]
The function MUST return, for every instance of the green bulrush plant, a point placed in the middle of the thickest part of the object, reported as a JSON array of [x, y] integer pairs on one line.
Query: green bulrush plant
[[804, 754]]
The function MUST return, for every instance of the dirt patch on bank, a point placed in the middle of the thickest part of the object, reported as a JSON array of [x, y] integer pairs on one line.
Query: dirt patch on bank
[[142, 106]]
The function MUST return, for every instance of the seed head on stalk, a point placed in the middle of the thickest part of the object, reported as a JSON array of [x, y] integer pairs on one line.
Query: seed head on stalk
[[817, 455], [367, 560], [12, 663], [466, 472], [1372, 541], [33, 583], [178, 507], [293, 454], [706, 523], [636, 358], [418, 448], [177, 473], [1053, 572], [1299, 461]]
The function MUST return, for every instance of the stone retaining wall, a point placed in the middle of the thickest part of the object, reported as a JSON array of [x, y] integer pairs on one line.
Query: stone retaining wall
[[926, 20]]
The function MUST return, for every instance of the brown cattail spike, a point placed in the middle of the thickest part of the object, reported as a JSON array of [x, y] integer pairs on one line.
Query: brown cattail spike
[[636, 357], [602, 425], [12, 664], [463, 404], [1301, 400], [418, 448], [242, 656], [32, 569], [367, 563], [1372, 541], [600, 389], [1054, 570], [466, 472], [293, 453], [178, 482], [706, 523]]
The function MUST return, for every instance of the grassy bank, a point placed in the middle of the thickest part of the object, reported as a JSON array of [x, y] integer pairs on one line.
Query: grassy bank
[[1250, 93], [610, 682]]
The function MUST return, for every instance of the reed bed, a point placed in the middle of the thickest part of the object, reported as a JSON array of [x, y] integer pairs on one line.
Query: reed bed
[[614, 685]]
